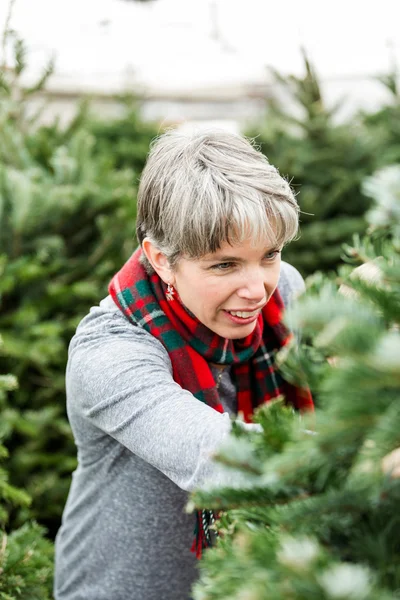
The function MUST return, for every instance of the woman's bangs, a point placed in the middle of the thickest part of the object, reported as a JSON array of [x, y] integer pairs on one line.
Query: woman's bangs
[[273, 222]]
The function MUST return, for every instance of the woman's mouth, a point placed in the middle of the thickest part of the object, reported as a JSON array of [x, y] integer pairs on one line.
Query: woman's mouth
[[242, 317]]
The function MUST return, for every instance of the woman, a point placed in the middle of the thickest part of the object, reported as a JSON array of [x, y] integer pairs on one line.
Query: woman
[[185, 340]]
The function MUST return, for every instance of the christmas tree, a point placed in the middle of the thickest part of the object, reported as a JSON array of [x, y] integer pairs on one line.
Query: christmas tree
[[327, 157], [26, 556], [67, 222], [311, 511]]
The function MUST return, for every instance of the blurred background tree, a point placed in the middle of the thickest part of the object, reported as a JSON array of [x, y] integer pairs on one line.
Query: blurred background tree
[[326, 161], [67, 222], [26, 556], [384, 124]]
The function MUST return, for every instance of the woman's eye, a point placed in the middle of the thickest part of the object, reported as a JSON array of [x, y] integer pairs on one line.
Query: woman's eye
[[271, 255], [223, 266]]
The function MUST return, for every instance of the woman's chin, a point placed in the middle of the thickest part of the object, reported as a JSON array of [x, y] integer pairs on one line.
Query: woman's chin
[[235, 332]]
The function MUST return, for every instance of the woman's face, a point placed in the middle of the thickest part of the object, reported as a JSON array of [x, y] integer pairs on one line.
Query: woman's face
[[227, 289]]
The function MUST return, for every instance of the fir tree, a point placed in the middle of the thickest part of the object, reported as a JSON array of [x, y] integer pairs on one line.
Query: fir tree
[[312, 510], [67, 223], [326, 159], [26, 557], [384, 124]]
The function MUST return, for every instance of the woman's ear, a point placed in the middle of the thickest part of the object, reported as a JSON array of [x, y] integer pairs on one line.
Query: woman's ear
[[158, 261]]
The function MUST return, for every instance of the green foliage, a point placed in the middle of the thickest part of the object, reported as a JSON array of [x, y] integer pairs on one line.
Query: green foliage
[[120, 143], [26, 564], [326, 161], [9, 495], [128, 137], [312, 507], [26, 557], [384, 124], [67, 223]]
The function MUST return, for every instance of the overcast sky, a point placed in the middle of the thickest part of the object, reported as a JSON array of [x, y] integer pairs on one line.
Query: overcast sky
[[192, 43]]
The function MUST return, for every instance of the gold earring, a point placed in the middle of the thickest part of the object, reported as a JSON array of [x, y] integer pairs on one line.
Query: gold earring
[[170, 292]]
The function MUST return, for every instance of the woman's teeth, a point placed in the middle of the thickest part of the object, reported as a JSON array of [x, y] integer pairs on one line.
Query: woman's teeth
[[243, 314]]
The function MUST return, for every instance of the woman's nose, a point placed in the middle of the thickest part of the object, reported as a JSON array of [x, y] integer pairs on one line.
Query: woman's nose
[[253, 288]]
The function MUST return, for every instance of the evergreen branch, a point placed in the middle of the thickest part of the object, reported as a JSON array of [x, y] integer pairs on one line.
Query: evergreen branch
[[4, 85], [6, 33], [41, 82], [20, 56]]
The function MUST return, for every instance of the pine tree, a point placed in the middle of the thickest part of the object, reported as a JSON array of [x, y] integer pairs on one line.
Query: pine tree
[[326, 160], [26, 557], [384, 124], [67, 223], [312, 508]]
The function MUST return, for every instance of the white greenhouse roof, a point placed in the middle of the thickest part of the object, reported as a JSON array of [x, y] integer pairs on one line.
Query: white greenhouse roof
[[178, 45]]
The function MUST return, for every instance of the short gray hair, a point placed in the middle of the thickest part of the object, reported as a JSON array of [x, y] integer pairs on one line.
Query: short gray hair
[[200, 190]]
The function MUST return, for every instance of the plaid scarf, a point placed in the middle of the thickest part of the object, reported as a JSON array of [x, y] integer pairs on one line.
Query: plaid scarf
[[192, 346]]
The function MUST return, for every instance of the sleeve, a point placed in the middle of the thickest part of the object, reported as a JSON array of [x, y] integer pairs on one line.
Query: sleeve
[[291, 283], [119, 378]]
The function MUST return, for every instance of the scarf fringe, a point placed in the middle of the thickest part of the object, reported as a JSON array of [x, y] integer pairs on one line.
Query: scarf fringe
[[204, 519]]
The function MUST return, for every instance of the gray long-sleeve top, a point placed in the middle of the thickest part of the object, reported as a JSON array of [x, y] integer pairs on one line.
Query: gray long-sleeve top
[[143, 443]]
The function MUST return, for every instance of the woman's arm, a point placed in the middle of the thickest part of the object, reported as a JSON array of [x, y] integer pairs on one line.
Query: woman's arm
[[119, 379]]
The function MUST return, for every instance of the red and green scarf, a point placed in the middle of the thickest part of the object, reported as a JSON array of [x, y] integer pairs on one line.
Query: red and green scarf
[[192, 346]]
